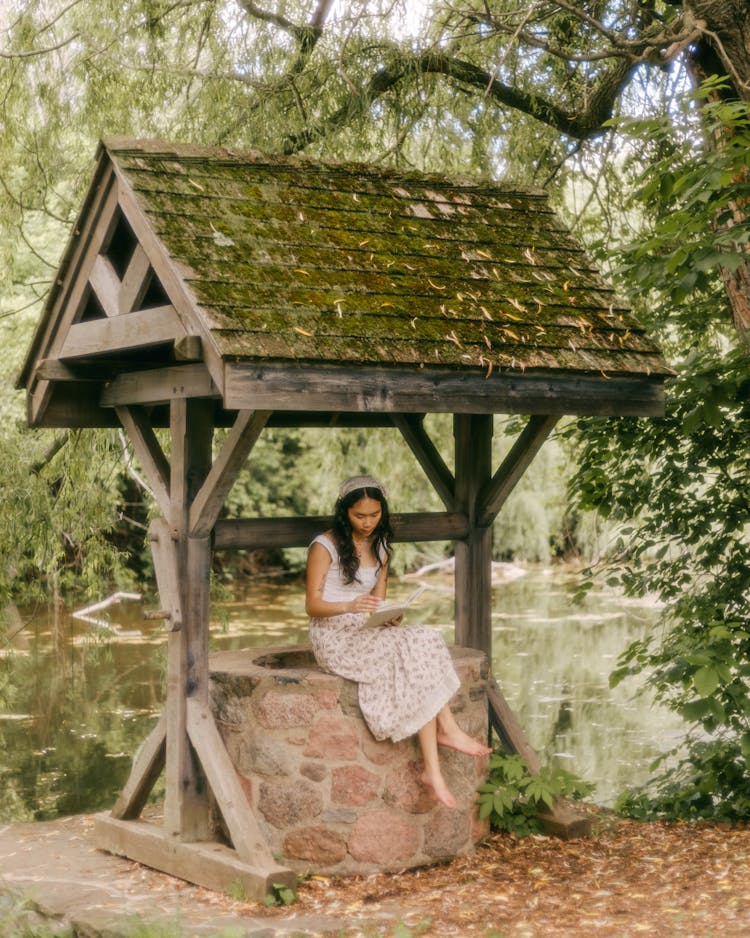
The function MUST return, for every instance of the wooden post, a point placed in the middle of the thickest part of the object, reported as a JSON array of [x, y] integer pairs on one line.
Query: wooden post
[[473, 442], [186, 808]]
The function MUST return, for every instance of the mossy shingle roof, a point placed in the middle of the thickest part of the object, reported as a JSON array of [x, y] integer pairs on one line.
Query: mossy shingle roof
[[290, 260]]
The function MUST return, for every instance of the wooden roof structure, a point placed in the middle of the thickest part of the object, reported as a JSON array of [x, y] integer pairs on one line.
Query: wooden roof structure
[[281, 275], [206, 287]]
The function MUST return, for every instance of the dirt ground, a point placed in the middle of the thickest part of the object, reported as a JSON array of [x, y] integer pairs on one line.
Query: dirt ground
[[629, 879]]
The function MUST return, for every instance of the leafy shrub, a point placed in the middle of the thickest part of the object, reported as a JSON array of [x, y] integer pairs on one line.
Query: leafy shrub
[[512, 797]]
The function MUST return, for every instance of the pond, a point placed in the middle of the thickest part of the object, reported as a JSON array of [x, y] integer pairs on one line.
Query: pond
[[78, 697]]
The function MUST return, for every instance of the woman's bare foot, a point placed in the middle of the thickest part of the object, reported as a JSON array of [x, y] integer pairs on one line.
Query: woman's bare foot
[[455, 738], [439, 789]]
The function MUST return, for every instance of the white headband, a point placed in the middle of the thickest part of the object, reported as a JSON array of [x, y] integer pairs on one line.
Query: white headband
[[360, 482]]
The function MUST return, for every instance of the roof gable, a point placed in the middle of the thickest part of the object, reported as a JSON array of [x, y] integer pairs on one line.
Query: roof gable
[[288, 263]]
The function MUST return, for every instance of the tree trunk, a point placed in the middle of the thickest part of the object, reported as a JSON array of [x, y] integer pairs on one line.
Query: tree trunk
[[724, 51]]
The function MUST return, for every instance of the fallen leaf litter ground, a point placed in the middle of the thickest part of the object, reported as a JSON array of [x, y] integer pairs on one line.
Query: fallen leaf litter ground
[[629, 879]]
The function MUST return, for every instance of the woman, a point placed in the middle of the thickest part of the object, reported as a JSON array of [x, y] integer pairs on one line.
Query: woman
[[405, 676]]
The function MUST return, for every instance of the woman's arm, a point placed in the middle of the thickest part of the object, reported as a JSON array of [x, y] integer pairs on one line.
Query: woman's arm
[[318, 564]]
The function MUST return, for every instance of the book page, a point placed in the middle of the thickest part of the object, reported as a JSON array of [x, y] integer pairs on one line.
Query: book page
[[392, 610]]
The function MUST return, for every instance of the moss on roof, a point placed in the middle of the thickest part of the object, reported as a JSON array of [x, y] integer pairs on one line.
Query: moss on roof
[[292, 260]]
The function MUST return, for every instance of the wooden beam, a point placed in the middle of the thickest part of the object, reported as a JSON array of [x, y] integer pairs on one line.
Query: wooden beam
[[249, 385], [52, 369], [133, 332], [237, 447], [164, 554], [148, 765], [158, 385], [67, 302], [135, 281], [498, 488], [231, 800], [76, 406], [188, 349], [106, 285], [186, 809], [211, 865], [250, 533], [473, 554], [148, 452], [508, 729], [413, 431]]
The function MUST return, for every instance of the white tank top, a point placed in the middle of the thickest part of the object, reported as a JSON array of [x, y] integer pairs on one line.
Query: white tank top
[[335, 590]]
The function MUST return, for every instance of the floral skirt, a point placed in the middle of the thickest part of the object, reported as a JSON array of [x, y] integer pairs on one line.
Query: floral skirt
[[405, 674]]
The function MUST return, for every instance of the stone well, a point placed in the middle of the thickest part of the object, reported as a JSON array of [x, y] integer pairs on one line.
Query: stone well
[[329, 797]]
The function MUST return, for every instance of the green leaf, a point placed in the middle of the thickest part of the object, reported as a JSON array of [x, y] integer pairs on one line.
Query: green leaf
[[706, 680]]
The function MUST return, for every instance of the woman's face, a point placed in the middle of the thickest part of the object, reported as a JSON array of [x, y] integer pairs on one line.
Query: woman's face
[[364, 516]]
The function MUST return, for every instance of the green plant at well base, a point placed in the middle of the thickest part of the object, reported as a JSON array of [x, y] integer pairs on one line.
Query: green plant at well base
[[280, 894], [512, 797]]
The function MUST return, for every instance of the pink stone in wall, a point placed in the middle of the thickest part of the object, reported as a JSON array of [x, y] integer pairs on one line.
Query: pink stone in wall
[[315, 771], [332, 738], [404, 790], [353, 785], [446, 832], [328, 699], [318, 845], [280, 709], [284, 803], [383, 837], [381, 752]]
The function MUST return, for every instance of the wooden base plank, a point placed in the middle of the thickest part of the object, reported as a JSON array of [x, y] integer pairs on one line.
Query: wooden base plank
[[211, 865], [566, 821]]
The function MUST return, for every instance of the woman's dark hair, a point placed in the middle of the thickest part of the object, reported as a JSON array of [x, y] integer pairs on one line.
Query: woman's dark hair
[[342, 531]]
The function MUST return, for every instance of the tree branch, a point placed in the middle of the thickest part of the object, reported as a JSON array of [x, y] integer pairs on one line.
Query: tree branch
[[579, 125]]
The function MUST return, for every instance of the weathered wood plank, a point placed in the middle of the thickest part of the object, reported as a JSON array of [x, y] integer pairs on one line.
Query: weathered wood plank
[[158, 385], [410, 390], [73, 405], [148, 765], [133, 332], [508, 729], [244, 831], [164, 554], [94, 228], [189, 349], [473, 554], [211, 865], [149, 453], [106, 285], [134, 282], [52, 369], [494, 494], [186, 813], [250, 533], [210, 499], [427, 455]]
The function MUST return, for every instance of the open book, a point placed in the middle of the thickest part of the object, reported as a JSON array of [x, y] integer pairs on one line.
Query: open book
[[388, 611]]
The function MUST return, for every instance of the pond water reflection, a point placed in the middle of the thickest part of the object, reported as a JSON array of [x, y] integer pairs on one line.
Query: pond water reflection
[[77, 699]]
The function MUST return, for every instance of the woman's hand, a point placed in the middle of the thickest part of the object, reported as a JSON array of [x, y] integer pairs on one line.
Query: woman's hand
[[365, 604], [394, 622]]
